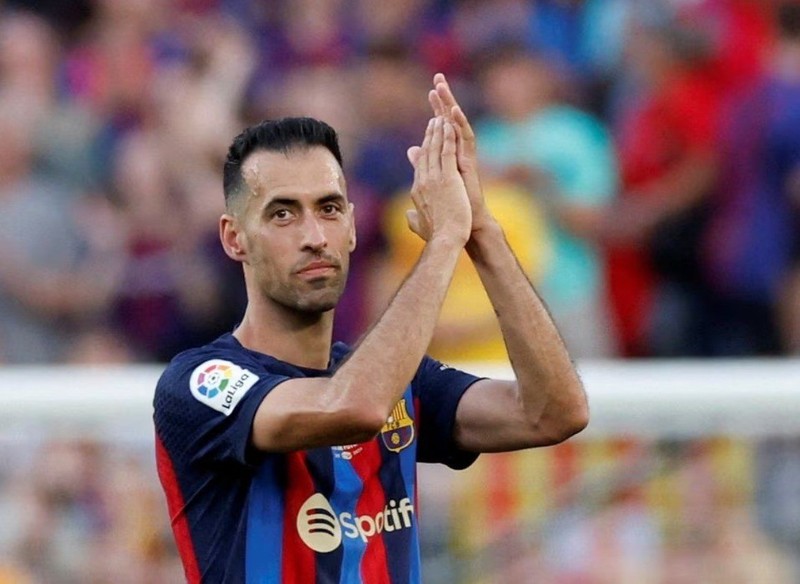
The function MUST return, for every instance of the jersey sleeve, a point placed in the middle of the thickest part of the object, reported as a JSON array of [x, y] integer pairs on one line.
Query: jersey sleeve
[[204, 409], [437, 389]]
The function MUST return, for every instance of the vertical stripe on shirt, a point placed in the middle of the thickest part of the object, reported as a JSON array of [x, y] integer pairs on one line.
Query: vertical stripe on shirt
[[408, 468], [321, 467], [177, 513], [397, 477], [347, 491], [299, 563], [373, 501], [264, 545]]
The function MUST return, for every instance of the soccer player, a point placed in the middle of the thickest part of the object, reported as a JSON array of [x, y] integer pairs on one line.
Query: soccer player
[[287, 458]]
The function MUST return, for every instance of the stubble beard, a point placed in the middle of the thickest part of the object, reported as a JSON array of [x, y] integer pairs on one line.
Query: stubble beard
[[307, 298]]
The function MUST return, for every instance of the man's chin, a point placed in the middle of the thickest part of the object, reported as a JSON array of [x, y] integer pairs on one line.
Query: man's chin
[[311, 300], [317, 303], [316, 307]]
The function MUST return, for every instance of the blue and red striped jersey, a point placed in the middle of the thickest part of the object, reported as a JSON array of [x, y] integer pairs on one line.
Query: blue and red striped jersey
[[338, 514]]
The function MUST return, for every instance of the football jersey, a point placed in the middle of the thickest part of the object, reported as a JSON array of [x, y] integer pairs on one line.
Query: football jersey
[[340, 514]]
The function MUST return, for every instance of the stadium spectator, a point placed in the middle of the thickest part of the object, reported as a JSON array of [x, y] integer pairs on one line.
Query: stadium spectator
[[53, 275], [62, 132], [752, 230], [741, 33], [169, 292], [585, 40], [389, 85], [667, 142], [478, 26], [467, 329], [565, 159]]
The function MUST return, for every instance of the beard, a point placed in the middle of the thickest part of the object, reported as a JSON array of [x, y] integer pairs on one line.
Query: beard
[[307, 297]]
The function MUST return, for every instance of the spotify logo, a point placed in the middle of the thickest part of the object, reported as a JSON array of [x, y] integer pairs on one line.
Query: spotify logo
[[322, 530], [318, 526]]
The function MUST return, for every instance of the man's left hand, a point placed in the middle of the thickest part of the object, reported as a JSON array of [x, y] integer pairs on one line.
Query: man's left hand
[[444, 104]]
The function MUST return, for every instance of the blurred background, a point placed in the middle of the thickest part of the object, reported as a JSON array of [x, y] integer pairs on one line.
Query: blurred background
[[642, 157]]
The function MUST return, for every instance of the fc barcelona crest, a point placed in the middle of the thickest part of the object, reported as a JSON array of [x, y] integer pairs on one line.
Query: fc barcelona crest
[[398, 431]]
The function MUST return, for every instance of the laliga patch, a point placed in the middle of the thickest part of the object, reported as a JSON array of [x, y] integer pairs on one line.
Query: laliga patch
[[221, 384]]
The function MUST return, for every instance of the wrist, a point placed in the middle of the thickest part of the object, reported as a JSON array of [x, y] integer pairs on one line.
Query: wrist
[[448, 239], [485, 226], [486, 233]]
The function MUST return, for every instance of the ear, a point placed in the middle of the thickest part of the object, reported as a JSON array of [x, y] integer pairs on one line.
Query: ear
[[351, 209], [232, 239]]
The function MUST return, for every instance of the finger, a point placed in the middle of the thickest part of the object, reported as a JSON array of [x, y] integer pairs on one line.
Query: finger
[[412, 218], [460, 118], [435, 149], [449, 164], [413, 154], [443, 91], [416, 200], [460, 149], [421, 168], [454, 110], [437, 105]]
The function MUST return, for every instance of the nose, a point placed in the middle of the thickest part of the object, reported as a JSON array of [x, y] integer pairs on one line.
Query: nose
[[313, 233]]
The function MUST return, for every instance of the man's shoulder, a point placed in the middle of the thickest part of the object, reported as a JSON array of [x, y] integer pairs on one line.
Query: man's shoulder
[[220, 355], [216, 376]]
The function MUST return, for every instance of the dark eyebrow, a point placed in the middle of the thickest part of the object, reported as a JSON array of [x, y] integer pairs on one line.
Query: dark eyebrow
[[282, 201], [332, 198], [295, 203]]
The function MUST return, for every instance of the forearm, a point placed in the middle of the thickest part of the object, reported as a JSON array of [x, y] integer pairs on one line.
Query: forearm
[[546, 404], [386, 360], [549, 390]]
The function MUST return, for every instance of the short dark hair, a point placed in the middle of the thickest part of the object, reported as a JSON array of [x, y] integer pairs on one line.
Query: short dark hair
[[281, 135]]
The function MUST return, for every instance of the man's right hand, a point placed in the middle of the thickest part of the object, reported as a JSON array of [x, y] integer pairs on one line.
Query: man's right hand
[[442, 207]]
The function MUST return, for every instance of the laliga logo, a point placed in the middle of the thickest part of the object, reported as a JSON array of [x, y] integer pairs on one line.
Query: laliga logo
[[221, 384], [322, 531], [214, 379]]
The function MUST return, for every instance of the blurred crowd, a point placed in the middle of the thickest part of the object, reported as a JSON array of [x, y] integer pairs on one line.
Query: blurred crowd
[[81, 511], [643, 158]]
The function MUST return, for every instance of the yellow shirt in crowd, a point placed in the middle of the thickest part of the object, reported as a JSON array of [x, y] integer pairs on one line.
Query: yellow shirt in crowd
[[468, 329]]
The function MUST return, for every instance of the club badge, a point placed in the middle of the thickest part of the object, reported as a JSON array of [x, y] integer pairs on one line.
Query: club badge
[[398, 432]]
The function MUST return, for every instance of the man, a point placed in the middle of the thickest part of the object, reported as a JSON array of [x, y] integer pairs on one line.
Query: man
[[286, 458]]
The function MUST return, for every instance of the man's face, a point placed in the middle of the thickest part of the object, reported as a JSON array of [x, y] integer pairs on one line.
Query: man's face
[[296, 228]]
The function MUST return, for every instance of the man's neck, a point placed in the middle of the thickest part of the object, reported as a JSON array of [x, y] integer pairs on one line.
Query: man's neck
[[298, 338]]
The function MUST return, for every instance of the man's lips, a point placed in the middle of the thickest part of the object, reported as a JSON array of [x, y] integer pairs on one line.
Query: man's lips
[[319, 268]]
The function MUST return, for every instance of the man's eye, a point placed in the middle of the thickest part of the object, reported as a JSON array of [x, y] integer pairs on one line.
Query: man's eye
[[330, 209], [281, 214]]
